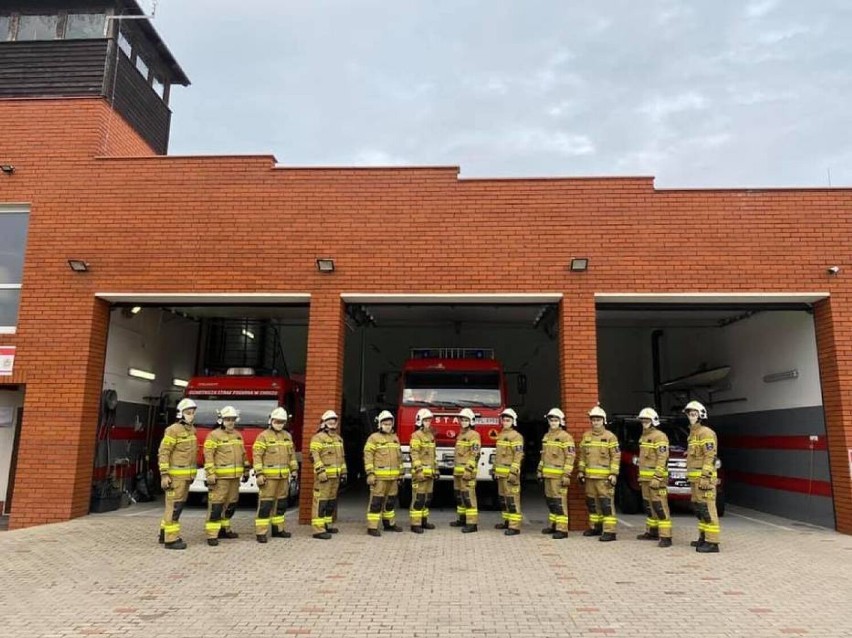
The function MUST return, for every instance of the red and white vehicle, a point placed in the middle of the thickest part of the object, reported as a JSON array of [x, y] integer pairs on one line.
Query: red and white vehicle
[[445, 380], [254, 397]]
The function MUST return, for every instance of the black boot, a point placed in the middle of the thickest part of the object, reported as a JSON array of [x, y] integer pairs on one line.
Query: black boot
[[559, 535], [391, 528], [469, 529], [700, 540], [549, 530], [212, 542], [282, 534], [607, 537], [374, 532], [331, 530], [323, 535], [228, 533], [261, 538], [597, 530], [649, 536], [460, 522], [417, 529], [511, 532], [665, 542], [427, 524], [178, 544], [503, 525], [162, 538], [708, 548]]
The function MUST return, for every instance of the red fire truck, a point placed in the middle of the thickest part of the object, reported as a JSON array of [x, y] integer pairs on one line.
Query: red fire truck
[[445, 380], [254, 397]]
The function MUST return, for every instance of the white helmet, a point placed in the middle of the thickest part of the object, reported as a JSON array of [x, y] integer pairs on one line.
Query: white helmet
[[598, 411], [185, 404], [467, 413], [695, 405], [422, 413], [384, 415], [279, 414], [510, 413], [559, 414], [650, 413], [328, 415], [229, 412]]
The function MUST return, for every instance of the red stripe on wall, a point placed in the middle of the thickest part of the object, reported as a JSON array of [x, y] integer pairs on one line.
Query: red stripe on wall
[[785, 483], [799, 442]]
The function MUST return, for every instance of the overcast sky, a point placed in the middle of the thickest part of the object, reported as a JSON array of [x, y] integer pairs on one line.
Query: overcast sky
[[694, 92]]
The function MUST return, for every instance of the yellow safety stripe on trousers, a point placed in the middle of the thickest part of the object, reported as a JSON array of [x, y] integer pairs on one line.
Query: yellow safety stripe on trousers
[[170, 528], [560, 518], [277, 520], [318, 522], [595, 518], [665, 524], [231, 471], [213, 526], [610, 519], [516, 518], [652, 522], [373, 517], [460, 509], [709, 528], [261, 521], [328, 520], [182, 471], [386, 473], [389, 515], [472, 511], [701, 526], [226, 523]]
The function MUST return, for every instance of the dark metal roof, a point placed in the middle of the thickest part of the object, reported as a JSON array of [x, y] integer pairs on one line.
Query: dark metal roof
[[131, 7]]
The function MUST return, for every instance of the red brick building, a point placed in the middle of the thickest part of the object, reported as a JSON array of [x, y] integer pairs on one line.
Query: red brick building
[[156, 229]]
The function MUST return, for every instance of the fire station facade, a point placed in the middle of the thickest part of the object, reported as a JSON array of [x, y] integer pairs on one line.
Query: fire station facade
[[87, 172]]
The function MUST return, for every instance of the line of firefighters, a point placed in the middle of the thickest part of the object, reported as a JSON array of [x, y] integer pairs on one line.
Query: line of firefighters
[[274, 461]]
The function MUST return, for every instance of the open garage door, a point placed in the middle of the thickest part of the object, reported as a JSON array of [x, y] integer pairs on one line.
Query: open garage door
[[448, 355], [754, 365], [244, 354]]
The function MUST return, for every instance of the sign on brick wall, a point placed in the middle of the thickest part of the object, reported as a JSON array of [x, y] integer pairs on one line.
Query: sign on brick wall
[[7, 360]]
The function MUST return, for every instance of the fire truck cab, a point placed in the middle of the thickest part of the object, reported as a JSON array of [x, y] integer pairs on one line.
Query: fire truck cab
[[445, 380], [254, 397]]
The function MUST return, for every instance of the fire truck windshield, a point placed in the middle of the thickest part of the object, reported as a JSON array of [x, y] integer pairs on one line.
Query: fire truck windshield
[[254, 412], [452, 388]]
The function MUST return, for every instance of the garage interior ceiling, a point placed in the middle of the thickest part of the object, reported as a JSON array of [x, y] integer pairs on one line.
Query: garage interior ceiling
[[408, 315], [662, 318], [290, 314]]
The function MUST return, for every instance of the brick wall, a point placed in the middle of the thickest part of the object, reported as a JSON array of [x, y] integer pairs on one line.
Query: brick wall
[[160, 224]]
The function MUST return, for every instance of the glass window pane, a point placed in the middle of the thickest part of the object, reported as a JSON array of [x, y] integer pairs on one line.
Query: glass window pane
[[142, 67], [4, 28], [124, 44], [9, 302], [13, 240], [159, 87], [32, 27], [85, 25]]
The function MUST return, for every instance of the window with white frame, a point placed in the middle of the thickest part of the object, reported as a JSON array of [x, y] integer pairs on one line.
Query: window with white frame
[[14, 221]]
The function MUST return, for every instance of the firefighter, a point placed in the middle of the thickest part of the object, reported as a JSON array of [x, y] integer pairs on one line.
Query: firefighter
[[176, 459], [329, 473], [701, 473], [274, 461], [654, 479], [554, 469], [507, 470], [226, 466], [424, 467], [468, 444], [383, 465], [598, 472]]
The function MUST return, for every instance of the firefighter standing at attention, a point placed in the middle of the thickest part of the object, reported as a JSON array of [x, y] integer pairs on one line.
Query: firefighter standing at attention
[[598, 471], [329, 473], [383, 465], [507, 470], [554, 469], [424, 467], [654, 479], [701, 473], [465, 465], [176, 460], [225, 466], [274, 460]]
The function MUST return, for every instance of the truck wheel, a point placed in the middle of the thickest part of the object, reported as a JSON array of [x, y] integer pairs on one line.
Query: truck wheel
[[627, 500], [405, 495]]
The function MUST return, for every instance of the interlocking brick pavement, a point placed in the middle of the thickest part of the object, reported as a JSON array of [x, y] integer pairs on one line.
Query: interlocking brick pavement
[[105, 575]]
